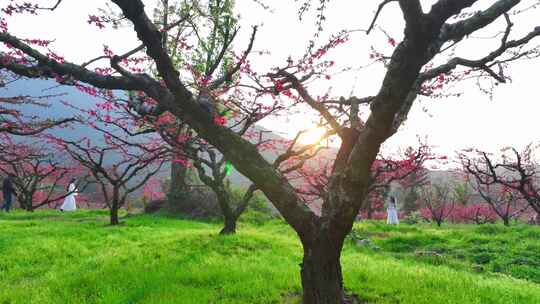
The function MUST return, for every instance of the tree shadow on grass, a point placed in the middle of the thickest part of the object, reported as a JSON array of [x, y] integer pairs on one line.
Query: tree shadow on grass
[[296, 298]]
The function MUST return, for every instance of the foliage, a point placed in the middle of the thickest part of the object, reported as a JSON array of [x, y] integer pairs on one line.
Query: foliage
[[474, 213], [461, 192], [437, 201], [259, 210], [201, 203], [258, 203], [410, 201], [412, 218], [190, 178], [198, 203]]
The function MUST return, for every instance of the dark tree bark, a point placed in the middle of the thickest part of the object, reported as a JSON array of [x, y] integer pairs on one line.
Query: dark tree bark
[[322, 280], [115, 205], [178, 189], [229, 226], [114, 214], [26, 205], [224, 201], [216, 181]]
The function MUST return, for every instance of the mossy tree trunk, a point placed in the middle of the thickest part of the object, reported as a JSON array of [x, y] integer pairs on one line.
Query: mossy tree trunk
[[322, 280], [178, 189], [221, 187], [115, 206]]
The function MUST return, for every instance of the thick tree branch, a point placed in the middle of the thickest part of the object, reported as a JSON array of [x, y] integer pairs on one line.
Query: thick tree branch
[[412, 12], [444, 9], [460, 29], [50, 68]]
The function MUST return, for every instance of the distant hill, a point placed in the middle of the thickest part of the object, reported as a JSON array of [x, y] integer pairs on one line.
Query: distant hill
[[56, 109], [81, 100]]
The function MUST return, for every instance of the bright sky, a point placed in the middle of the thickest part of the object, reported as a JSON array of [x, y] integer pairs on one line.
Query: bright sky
[[510, 118]]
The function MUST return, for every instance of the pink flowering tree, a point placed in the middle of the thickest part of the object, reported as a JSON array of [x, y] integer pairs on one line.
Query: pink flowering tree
[[423, 62], [152, 190], [505, 180], [40, 177], [218, 169], [438, 203], [504, 202], [117, 179], [119, 162], [406, 169], [476, 213]]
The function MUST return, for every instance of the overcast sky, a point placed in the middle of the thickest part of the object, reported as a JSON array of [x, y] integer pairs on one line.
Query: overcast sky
[[510, 118]]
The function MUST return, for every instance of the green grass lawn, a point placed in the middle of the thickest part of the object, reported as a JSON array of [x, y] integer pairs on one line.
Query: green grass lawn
[[49, 257]]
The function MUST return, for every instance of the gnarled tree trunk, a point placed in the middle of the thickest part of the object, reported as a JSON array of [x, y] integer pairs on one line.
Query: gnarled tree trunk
[[322, 280], [178, 188], [115, 205], [229, 227], [114, 215], [26, 203], [224, 201]]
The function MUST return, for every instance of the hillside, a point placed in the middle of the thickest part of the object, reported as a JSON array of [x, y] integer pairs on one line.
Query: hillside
[[48, 257], [71, 94]]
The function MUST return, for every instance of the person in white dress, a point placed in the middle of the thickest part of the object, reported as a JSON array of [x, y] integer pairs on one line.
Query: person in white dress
[[69, 202], [392, 217]]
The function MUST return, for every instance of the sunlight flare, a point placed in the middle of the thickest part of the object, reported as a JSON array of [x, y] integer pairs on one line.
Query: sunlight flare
[[312, 136]]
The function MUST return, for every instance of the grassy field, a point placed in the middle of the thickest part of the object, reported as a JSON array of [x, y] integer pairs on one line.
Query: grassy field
[[49, 257]]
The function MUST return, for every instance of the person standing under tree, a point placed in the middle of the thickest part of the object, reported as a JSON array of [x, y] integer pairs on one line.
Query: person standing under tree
[[69, 201], [7, 192], [392, 217]]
